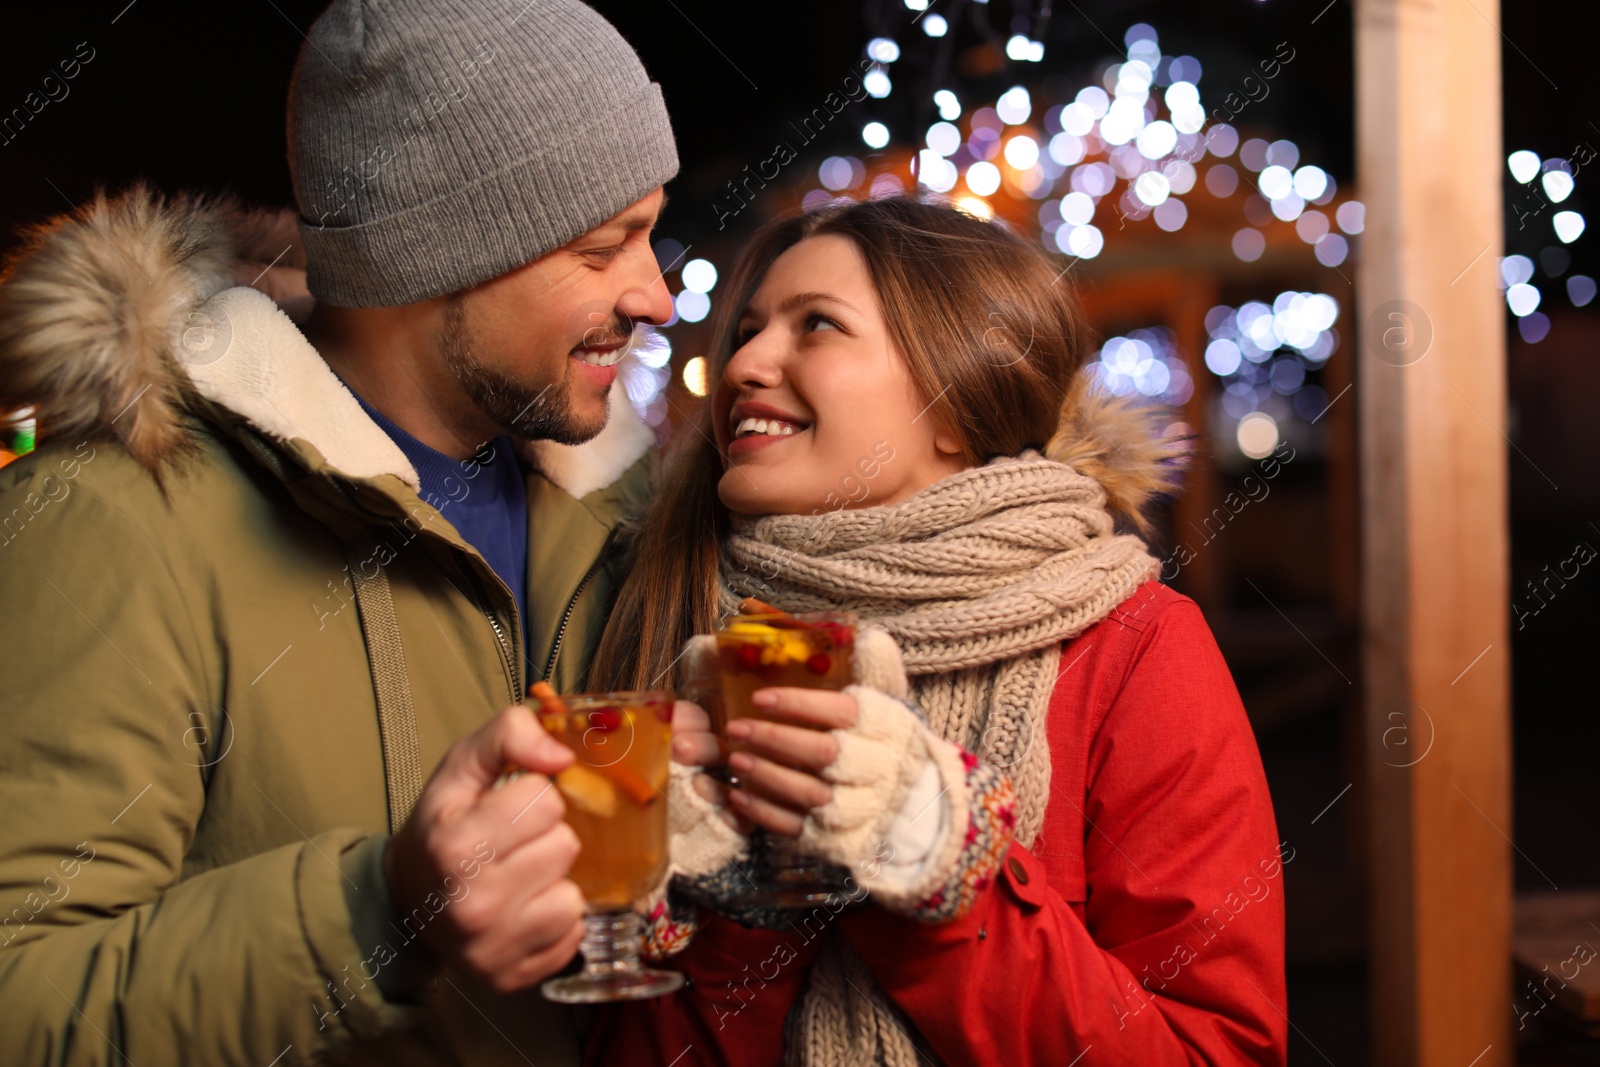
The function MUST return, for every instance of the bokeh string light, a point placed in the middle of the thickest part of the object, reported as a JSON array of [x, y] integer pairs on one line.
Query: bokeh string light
[[1537, 185], [1268, 359], [1136, 142]]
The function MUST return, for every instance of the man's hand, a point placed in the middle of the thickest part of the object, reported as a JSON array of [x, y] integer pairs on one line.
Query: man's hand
[[489, 864]]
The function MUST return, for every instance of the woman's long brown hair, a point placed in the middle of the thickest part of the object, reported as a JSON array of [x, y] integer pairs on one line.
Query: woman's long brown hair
[[993, 340]]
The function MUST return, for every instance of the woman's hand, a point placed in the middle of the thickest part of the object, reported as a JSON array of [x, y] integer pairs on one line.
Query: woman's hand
[[694, 744], [780, 756]]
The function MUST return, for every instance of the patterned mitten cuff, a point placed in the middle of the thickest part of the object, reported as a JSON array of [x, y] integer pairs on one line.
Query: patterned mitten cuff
[[670, 922], [984, 819], [727, 891]]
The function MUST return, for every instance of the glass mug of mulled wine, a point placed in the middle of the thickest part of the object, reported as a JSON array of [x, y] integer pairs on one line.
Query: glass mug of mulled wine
[[616, 801], [759, 650]]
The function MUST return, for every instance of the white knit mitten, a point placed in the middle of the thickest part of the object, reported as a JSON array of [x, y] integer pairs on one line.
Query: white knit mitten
[[876, 663], [889, 763]]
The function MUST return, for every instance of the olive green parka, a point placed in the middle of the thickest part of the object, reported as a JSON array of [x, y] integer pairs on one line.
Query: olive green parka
[[235, 641]]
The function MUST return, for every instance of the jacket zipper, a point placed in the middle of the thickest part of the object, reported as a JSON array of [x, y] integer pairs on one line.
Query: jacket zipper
[[566, 616], [506, 658]]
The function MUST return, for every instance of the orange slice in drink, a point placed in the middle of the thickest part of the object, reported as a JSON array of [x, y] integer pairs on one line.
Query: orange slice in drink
[[588, 790]]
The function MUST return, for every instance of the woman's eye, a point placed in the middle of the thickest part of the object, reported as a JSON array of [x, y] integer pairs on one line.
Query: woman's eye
[[816, 321], [743, 337]]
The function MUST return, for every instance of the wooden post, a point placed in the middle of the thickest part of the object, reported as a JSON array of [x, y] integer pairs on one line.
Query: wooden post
[[1435, 625]]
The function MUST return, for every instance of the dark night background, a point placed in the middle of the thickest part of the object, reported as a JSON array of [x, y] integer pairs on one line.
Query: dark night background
[[190, 96]]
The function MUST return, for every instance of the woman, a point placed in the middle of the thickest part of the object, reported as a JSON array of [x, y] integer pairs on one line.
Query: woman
[[901, 427]]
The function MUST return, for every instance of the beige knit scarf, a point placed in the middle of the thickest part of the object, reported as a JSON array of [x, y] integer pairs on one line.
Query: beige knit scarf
[[980, 577]]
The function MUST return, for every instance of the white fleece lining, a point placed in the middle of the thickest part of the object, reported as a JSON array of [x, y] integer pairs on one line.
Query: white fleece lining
[[601, 460], [272, 376], [916, 833]]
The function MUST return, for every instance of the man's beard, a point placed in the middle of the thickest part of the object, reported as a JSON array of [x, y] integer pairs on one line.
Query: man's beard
[[517, 408]]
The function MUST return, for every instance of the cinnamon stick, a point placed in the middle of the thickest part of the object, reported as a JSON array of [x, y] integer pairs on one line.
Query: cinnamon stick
[[629, 781], [751, 606], [551, 703], [548, 698]]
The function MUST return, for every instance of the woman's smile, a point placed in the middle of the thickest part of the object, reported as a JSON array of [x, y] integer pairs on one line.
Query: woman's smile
[[753, 425], [754, 442]]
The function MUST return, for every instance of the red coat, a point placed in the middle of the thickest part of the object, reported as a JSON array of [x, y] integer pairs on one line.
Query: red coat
[[1146, 922]]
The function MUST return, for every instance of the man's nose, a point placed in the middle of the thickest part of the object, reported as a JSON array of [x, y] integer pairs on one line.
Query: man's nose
[[648, 300]]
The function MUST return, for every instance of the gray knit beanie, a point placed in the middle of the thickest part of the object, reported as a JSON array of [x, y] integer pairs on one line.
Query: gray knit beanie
[[435, 144]]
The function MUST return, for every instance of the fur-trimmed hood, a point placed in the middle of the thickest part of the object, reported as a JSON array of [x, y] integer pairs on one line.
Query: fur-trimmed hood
[[125, 316], [1120, 443]]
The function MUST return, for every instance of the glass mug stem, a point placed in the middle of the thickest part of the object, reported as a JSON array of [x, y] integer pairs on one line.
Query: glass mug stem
[[798, 879], [610, 938], [611, 967]]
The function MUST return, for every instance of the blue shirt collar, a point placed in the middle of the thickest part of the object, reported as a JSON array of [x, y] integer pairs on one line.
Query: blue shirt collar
[[443, 479]]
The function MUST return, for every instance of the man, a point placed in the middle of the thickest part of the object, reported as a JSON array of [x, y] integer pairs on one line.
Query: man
[[260, 580]]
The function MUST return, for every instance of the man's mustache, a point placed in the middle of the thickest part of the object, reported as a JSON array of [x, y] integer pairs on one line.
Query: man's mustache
[[619, 331]]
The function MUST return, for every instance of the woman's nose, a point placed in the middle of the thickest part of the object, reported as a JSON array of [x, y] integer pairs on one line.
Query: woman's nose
[[756, 362]]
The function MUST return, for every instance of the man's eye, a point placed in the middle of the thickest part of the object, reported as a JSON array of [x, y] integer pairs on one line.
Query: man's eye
[[603, 253]]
